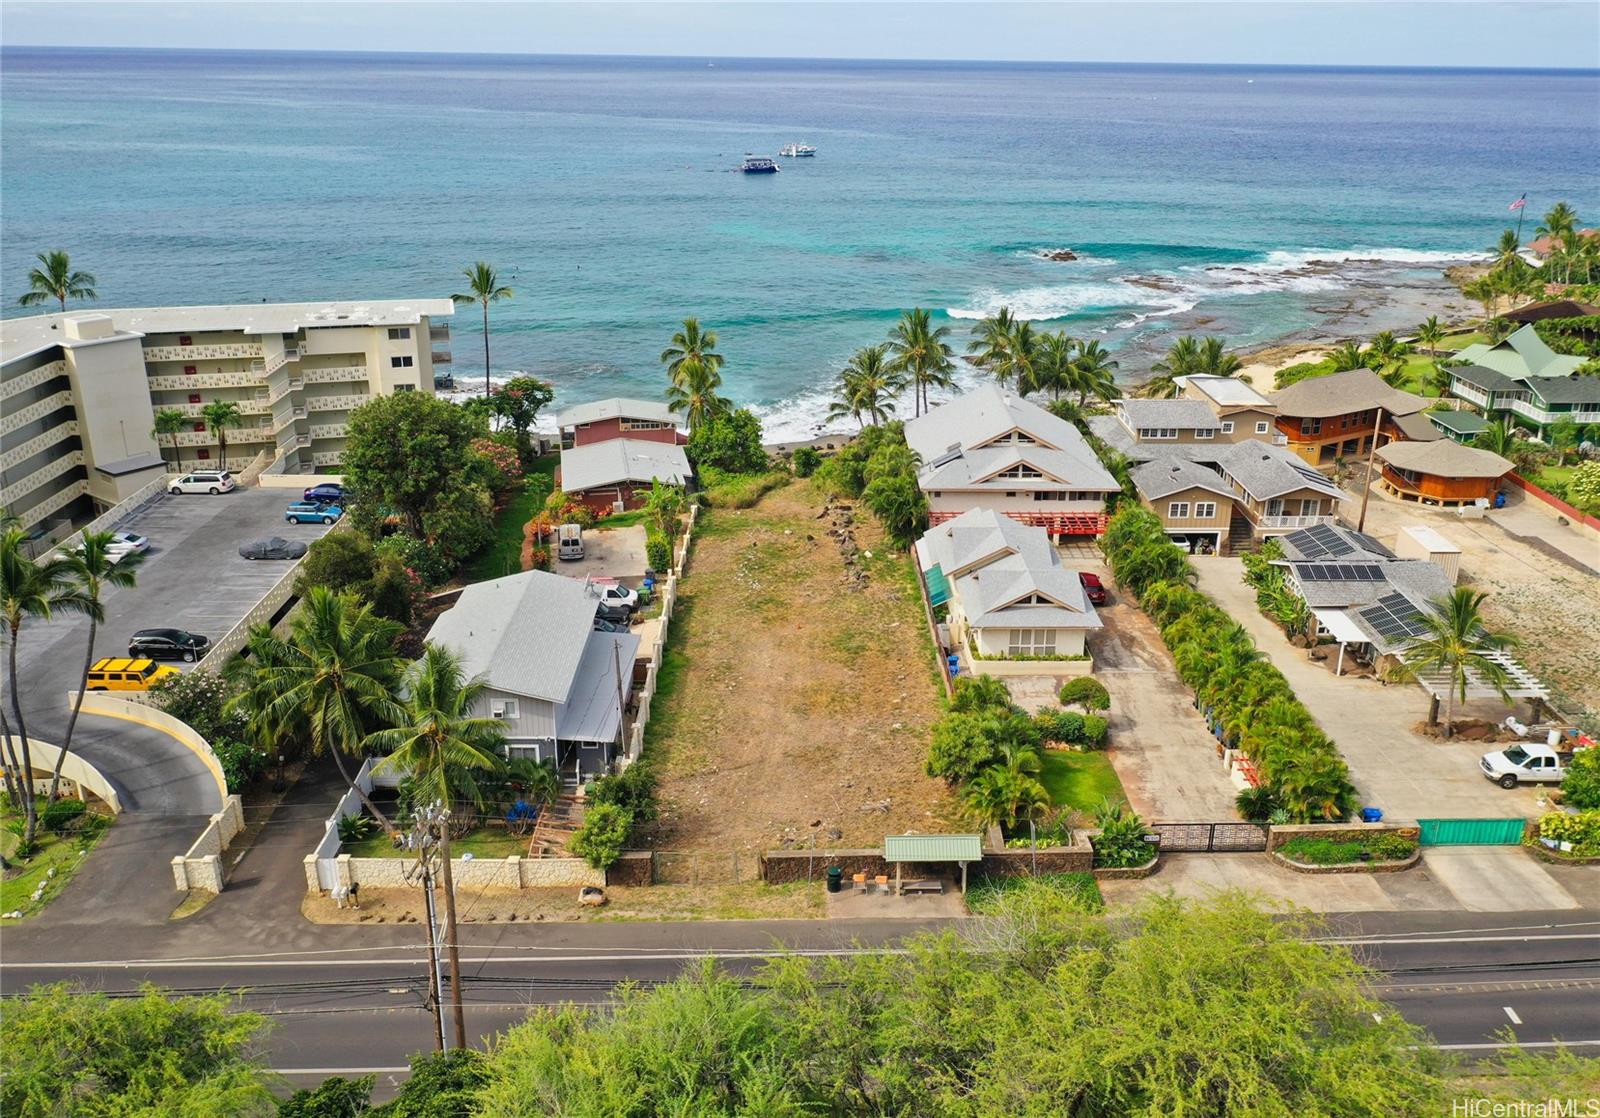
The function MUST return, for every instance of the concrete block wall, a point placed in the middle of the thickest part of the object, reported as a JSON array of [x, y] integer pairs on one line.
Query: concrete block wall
[[515, 872], [201, 867]]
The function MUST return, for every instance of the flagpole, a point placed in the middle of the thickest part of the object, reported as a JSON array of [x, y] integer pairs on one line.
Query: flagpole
[[1521, 210]]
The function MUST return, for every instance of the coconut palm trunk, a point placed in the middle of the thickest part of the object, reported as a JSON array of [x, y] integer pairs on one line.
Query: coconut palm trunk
[[24, 763], [72, 719], [486, 385]]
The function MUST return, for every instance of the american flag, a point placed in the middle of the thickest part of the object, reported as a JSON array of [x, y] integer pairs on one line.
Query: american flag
[[1519, 203]]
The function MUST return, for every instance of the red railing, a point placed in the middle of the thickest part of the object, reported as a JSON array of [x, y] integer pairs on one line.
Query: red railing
[[1056, 523]]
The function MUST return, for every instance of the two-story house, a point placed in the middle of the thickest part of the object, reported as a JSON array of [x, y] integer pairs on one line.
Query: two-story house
[[619, 418], [562, 689], [1242, 412], [1194, 502], [1523, 380], [611, 450], [1339, 415], [989, 449]]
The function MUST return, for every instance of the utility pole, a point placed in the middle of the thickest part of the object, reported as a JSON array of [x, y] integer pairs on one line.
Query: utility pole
[[451, 944], [1366, 485], [422, 837]]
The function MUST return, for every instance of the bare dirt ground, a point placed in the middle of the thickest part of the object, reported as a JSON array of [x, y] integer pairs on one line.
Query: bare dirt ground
[[796, 707], [749, 901], [1553, 608]]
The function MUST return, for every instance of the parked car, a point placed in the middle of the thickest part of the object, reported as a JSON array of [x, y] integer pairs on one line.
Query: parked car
[[167, 644], [204, 481], [130, 540], [329, 491], [603, 626], [312, 512], [114, 552], [116, 674], [1093, 588], [569, 541], [614, 614], [275, 548], [612, 592], [1526, 762]]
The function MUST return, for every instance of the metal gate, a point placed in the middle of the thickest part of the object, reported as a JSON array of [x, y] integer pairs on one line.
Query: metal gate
[[327, 874], [1471, 832], [1210, 838]]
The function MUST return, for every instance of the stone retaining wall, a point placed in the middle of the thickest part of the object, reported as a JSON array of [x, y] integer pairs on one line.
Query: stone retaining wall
[[514, 872], [1350, 867], [1279, 834], [636, 867]]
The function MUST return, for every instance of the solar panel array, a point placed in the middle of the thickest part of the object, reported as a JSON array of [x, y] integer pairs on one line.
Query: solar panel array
[[1338, 572], [1319, 542], [1372, 545], [1394, 618]]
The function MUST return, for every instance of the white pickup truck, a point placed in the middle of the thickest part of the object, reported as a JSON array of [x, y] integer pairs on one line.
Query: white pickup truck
[[1526, 762]]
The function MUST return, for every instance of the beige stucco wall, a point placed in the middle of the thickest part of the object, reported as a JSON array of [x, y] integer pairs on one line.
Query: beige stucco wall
[[113, 405], [1011, 669], [994, 641], [475, 873], [1244, 425]]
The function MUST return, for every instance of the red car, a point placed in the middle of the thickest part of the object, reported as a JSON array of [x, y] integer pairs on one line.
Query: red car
[[1093, 588]]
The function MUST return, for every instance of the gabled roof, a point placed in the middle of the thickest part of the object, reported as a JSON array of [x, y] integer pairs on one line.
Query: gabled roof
[[1228, 394], [1185, 415], [1065, 470], [1576, 388], [993, 562], [1109, 429], [1343, 393], [524, 634], [1487, 379], [983, 414], [617, 407], [1416, 427], [1166, 476], [615, 461], [1520, 355], [1266, 471], [592, 710], [1444, 459], [1457, 421]]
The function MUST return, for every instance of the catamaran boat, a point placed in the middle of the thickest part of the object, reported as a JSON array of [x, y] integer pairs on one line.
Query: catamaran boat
[[798, 151], [758, 165]]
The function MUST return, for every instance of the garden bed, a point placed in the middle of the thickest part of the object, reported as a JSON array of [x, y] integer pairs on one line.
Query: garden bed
[[482, 842], [56, 859], [1380, 852], [986, 894]]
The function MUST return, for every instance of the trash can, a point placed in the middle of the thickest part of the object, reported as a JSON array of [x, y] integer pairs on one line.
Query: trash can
[[1371, 815], [835, 879]]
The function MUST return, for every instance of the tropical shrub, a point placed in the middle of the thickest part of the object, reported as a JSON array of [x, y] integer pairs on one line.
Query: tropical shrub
[[1062, 726], [1087, 692], [725, 490], [427, 561], [731, 443], [633, 789], [1580, 788], [1581, 830], [60, 814], [1095, 730], [980, 692], [340, 561], [1256, 804], [240, 762], [1384, 846], [354, 828], [658, 551], [962, 745], [1120, 842], [604, 834], [1583, 490], [805, 461]]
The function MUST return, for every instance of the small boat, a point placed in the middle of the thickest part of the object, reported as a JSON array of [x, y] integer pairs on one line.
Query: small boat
[[797, 151], [758, 165]]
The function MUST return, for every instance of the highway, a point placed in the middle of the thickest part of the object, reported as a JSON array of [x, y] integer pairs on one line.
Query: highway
[[353, 1010]]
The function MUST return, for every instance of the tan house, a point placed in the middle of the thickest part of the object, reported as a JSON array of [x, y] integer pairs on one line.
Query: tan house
[[1195, 504], [1276, 491], [1242, 412]]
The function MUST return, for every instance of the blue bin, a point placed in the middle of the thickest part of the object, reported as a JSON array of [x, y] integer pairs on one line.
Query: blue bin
[[1371, 815], [955, 665]]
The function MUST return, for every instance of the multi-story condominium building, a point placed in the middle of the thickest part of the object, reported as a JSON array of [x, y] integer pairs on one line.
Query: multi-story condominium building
[[1523, 380], [80, 391]]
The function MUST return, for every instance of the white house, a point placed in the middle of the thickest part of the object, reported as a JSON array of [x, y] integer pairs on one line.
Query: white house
[[560, 687], [1007, 593], [991, 450]]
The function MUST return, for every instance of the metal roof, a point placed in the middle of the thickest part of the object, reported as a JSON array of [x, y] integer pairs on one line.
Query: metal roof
[[593, 710], [1458, 421], [524, 634], [1230, 392], [622, 460], [1521, 355], [938, 586], [617, 407], [933, 848]]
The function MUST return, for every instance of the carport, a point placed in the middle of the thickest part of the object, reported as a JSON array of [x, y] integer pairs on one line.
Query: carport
[[1520, 683], [1342, 629], [961, 849]]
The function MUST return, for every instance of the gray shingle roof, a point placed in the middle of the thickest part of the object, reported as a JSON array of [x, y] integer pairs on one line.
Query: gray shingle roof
[[1486, 379], [1417, 427], [1444, 458], [1574, 389], [1109, 429], [525, 633], [617, 407], [975, 469], [1186, 415], [622, 460], [1264, 471], [1165, 476], [1343, 393], [992, 560]]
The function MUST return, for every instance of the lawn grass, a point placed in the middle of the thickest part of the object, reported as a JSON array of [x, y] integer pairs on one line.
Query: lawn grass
[[1080, 780], [61, 853], [503, 554], [985, 895], [485, 842]]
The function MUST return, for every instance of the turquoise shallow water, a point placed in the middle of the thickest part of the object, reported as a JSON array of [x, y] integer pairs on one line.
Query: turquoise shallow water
[[1250, 201]]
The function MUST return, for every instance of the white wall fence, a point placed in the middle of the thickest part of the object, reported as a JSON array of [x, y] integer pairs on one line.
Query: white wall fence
[[201, 867], [647, 691], [271, 602], [76, 773]]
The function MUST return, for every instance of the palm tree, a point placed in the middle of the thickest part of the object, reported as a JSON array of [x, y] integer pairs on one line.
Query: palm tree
[[1561, 225], [991, 338], [1000, 795], [1054, 365], [219, 416], [1094, 373], [91, 568], [921, 354], [484, 287], [1483, 291], [29, 589], [336, 674], [1182, 359], [694, 393], [168, 422], [55, 279], [1499, 437], [1430, 334], [1349, 355], [663, 505], [1215, 361], [691, 344], [867, 387], [1456, 644], [1507, 251], [1018, 359]]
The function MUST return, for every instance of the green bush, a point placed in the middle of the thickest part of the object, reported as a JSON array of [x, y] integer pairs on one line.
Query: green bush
[[1062, 726], [240, 763], [1580, 788], [353, 828], [1120, 842], [725, 490], [1383, 846], [1094, 732], [1087, 692], [658, 552], [805, 461], [1581, 830], [1256, 804], [980, 692], [603, 836], [731, 443], [340, 561], [633, 789], [1387, 846], [429, 562], [58, 816]]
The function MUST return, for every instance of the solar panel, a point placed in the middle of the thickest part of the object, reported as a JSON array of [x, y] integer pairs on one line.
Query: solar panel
[[1371, 544], [1338, 572], [1394, 618]]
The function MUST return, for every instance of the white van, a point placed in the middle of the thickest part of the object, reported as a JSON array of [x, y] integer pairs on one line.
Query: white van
[[204, 481], [569, 541]]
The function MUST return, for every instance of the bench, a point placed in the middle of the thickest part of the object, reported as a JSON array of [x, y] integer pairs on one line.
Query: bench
[[925, 886]]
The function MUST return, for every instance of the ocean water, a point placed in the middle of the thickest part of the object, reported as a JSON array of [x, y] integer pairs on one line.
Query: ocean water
[[1254, 202]]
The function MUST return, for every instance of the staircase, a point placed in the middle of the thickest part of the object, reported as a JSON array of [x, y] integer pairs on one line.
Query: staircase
[[1241, 535], [555, 827]]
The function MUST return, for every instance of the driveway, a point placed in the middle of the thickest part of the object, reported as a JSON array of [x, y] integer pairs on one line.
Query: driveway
[[1402, 772], [610, 553]]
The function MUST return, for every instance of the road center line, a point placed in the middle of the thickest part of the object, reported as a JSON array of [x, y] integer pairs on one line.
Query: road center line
[[1511, 1013]]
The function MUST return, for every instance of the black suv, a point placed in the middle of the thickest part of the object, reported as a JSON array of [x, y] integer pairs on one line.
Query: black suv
[[167, 644]]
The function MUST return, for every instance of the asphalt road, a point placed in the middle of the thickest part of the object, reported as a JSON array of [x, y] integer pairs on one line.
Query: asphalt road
[[357, 1005]]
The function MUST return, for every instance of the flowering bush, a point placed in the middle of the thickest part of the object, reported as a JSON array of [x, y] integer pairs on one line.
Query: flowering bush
[[504, 464]]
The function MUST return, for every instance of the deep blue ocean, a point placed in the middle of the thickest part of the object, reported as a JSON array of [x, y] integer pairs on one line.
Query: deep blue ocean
[[1254, 202]]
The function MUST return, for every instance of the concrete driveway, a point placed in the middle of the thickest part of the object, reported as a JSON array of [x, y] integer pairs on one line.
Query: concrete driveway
[[1407, 775], [610, 553]]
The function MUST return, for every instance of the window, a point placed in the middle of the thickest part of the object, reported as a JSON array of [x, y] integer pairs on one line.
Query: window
[[1227, 426], [401, 362], [200, 426], [194, 397], [503, 708], [190, 370], [1178, 510], [643, 425], [1040, 495], [1205, 510], [1206, 432], [1311, 426], [1261, 426], [1020, 472], [1158, 432], [1032, 642], [185, 339], [405, 388], [399, 333]]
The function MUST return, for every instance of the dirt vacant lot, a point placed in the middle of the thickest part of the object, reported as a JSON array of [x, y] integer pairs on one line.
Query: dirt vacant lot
[[794, 706]]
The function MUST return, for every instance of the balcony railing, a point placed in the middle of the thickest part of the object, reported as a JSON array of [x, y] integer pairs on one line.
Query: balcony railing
[[337, 403], [43, 475], [32, 379], [287, 418], [1294, 521], [335, 375], [246, 407], [438, 332], [207, 438], [24, 451], [204, 380], [16, 420], [202, 352], [326, 458], [328, 430]]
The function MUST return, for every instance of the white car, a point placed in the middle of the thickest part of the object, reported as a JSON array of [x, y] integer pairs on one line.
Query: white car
[[131, 541], [204, 481], [613, 593]]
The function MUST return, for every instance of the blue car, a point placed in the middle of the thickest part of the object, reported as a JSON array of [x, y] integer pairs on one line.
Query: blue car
[[328, 492], [312, 512]]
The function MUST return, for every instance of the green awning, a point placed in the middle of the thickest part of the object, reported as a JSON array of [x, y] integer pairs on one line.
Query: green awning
[[938, 586], [933, 848], [1458, 422]]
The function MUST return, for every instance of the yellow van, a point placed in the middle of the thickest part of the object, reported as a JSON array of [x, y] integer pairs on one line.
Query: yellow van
[[112, 674]]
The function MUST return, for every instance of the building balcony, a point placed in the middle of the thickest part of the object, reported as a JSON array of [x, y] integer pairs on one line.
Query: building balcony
[[24, 451], [202, 352], [21, 417], [287, 418], [1289, 523], [337, 403], [335, 375], [246, 407], [442, 357], [33, 379], [328, 430], [438, 331], [42, 476], [207, 438], [283, 388], [326, 458], [52, 504], [204, 380]]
